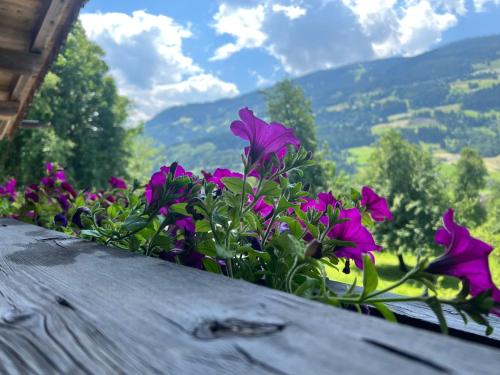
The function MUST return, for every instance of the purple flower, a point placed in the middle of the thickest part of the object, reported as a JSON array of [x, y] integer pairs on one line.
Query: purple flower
[[376, 205], [60, 175], [117, 183], [77, 217], [320, 204], [64, 202], [186, 223], [48, 167], [31, 193], [353, 231], [60, 220], [219, 174], [153, 188], [67, 186], [48, 181], [261, 207], [158, 179], [264, 138], [9, 189], [464, 257]]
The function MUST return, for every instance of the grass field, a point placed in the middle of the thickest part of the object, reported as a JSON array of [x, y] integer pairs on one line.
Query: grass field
[[388, 270]]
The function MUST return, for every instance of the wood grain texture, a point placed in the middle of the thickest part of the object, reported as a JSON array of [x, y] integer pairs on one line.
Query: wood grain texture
[[419, 314], [20, 62], [70, 306], [8, 108]]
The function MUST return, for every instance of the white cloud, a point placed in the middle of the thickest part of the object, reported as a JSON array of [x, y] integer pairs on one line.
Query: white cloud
[[291, 11], [303, 38], [244, 24], [310, 35], [408, 27], [480, 5], [421, 26], [146, 57]]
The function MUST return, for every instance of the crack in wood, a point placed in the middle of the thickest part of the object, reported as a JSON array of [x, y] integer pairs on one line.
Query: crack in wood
[[255, 362], [408, 356], [214, 329]]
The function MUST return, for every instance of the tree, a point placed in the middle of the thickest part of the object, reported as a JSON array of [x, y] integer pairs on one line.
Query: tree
[[470, 179], [145, 156], [287, 104], [79, 101], [406, 174]]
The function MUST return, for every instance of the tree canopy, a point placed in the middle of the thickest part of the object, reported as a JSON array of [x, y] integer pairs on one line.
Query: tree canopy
[[80, 103]]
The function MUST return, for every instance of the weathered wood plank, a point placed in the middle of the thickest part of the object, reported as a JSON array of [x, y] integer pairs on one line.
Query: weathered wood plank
[[70, 306], [419, 314], [20, 62], [8, 108]]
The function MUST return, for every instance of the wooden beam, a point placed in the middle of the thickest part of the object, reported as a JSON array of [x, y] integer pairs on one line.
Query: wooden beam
[[32, 124], [20, 62], [9, 108], [16, 39], [50, 23], [72, 306]]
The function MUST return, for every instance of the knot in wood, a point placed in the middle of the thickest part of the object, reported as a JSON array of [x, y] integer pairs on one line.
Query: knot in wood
[[214, 329]]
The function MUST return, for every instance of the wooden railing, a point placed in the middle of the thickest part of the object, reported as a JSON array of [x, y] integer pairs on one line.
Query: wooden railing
[[71, 306]]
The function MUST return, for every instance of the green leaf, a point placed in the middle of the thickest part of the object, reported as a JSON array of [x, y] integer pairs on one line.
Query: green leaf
[[113, 211], [436, 307], [295, 227], [133, 223], [90, 233], [163, 242], [211, 265], [235, 185], [133, 244], [385, 311], [207, 247], [270, 189], [222, 252], [202, 226], [179, 208], [370, 276]]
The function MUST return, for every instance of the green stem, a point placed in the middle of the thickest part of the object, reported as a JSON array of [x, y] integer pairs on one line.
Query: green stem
[[401, 281]]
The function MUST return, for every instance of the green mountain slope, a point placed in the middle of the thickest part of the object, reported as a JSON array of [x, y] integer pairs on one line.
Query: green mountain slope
[[449, 96]]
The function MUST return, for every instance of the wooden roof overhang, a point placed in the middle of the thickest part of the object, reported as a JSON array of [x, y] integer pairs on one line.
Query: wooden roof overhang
[[31, 32]]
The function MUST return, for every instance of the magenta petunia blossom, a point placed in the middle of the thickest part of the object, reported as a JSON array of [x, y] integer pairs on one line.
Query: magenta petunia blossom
[[154, 186], [376, 205], [31, 193], [64, 202], [158, 179], [117, 183], [353, 231], [465, 257], [264, 138], [262, 207], [186, 223], [69, 188], [320, 204], [60, 175], [9, 189], [219, 174]]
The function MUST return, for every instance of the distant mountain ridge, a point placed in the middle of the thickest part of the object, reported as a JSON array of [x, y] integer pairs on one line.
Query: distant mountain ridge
[[449, 96]]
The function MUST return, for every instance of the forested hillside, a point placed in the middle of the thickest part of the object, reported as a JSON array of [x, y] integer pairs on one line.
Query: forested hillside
[[449, 97]]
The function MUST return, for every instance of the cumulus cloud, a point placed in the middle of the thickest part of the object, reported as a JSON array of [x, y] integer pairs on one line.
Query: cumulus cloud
[[310, 35], [406, 28], [244, 24], [480, 5], [291, 11], [146, 57]]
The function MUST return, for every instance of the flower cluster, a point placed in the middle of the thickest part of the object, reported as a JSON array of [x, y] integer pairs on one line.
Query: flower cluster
[[258, 225]]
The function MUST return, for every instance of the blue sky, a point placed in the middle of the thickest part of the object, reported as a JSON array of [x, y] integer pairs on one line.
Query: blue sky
[[165, 53]]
